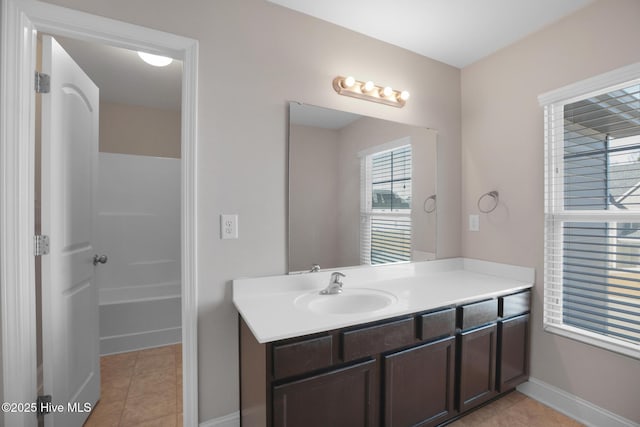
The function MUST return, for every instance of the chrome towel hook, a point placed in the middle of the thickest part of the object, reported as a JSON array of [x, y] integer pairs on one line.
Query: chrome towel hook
[[493, 194]]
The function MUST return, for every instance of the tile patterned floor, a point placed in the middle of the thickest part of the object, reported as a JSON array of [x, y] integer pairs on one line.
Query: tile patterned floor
[[515, 410], [141, 388]]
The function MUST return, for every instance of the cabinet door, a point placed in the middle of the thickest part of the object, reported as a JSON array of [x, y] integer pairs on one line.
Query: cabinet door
[[513, 352], [419, 385], [477, 352], [341, 398]]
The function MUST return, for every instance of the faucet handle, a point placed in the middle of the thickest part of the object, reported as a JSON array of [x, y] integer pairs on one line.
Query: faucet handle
[[335, 284], [335, 277]]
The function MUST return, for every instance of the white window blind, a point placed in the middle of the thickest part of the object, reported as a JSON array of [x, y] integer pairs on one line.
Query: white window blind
[[592, 217], [385, 206]]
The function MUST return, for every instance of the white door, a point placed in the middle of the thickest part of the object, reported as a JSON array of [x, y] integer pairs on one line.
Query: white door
[[70, 336]]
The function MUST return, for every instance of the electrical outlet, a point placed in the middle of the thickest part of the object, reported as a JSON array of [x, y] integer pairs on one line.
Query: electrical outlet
[[228, 226]]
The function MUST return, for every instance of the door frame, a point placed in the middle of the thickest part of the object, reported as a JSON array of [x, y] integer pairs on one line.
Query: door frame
[[21, 19]]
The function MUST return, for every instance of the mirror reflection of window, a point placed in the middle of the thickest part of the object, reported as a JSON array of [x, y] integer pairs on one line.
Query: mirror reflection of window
[[386, 206], [326, 201]]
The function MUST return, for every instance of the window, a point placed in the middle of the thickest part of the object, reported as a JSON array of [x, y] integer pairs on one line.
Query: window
[[592, 211], [385, 204]]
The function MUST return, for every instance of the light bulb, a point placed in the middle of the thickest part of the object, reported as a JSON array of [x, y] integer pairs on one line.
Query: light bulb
[[386, 92], [348, 82], [155, 60], [368, 86], [404, 95]]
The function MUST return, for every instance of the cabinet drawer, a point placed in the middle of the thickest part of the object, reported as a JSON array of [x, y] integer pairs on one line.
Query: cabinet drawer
[[377, 339], [513, 305], [477, 314], [437, 324], [302, 356]]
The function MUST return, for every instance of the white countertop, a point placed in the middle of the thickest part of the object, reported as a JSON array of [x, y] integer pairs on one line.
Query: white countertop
[[267, 304]]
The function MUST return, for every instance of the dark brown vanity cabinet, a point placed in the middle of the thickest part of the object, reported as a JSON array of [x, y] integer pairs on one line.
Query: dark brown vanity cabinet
[[416, 370], [476, 353], [513, 340], [343, 397], [419, 382], [419, 385]]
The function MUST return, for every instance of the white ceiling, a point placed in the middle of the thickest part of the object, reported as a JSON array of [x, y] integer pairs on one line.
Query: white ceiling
[[124, 78], [456, 32]]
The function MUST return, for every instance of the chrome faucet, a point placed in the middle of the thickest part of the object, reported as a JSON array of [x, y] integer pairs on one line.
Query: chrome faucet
[[335, 284], [314, 268]]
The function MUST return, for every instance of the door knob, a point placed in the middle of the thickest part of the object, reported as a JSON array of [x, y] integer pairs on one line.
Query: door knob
[[102, 259]]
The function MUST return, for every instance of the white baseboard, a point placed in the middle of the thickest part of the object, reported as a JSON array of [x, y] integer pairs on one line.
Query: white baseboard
[[572, 406], [231, 420]]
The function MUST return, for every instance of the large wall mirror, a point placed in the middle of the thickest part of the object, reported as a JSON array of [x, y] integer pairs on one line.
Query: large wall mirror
[[361, 190]]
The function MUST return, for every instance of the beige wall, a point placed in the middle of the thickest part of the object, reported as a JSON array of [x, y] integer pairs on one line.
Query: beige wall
[[313, 205], [502, 131], [254, 57], [145, 131]]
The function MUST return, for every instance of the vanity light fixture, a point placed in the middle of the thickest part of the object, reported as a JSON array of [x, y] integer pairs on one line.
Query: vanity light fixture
[[371, 92], [386, 92], [349, 82], [368, 87], [155, 60]]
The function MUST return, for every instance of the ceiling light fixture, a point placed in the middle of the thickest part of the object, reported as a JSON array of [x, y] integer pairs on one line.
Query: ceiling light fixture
[[349, 86], [155, 60]]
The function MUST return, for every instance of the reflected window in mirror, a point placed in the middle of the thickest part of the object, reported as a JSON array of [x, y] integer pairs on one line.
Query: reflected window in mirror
[[385, 217], [329, 224]]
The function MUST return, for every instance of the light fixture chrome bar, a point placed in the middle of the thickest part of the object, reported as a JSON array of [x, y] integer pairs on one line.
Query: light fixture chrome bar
[[369, 91]]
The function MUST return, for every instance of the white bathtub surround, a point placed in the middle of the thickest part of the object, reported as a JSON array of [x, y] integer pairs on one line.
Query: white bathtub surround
[[136, 325], [268, 306], [138, 228], [138, 224], [230, 420]]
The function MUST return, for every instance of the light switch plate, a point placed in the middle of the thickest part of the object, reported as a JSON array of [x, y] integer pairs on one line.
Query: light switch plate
[[474, 222], [228, 226]]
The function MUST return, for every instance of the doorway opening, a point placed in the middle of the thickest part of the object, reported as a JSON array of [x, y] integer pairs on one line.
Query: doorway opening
[[135, 237]]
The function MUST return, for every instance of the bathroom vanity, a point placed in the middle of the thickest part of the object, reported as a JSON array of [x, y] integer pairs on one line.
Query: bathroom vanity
[[439, 339]]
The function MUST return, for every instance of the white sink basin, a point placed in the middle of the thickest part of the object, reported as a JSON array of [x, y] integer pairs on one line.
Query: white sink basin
[[350, 301]]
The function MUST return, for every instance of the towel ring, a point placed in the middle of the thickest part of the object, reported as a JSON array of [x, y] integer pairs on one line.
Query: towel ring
[[427, 210], [496, 199]]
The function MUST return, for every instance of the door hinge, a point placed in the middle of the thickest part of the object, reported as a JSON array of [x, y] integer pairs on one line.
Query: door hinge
[[44, 404], [42, 83], [40, 245]]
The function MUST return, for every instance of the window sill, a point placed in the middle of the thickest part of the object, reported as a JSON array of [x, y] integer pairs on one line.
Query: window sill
[[597, 340]]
